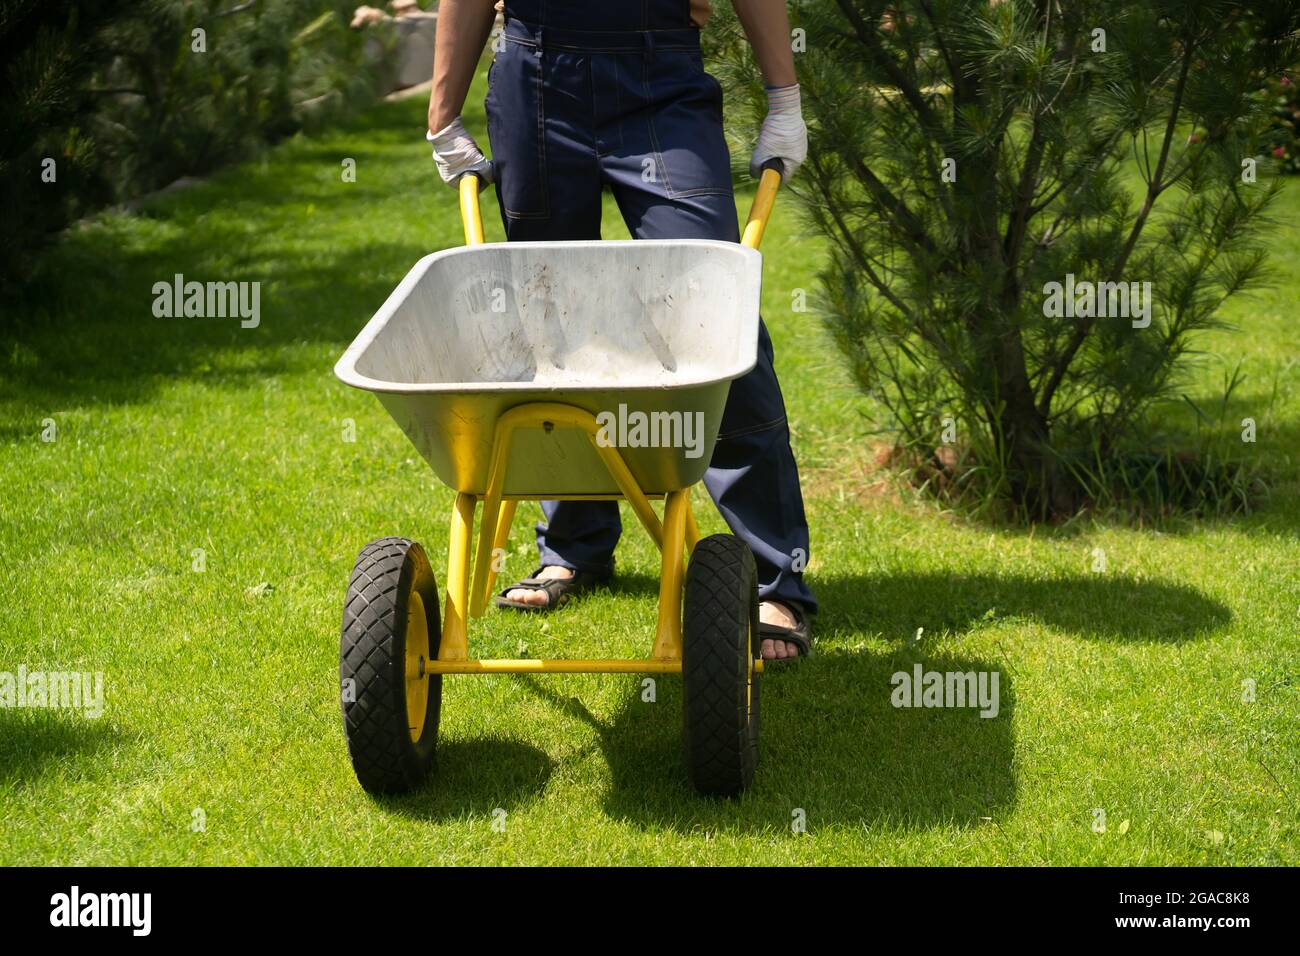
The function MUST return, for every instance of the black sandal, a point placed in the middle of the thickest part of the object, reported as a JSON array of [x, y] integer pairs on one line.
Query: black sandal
[[800, 635], [558, 590]]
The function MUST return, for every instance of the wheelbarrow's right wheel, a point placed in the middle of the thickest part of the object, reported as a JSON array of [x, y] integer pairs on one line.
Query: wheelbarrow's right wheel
[[719, 684], [390, 630]]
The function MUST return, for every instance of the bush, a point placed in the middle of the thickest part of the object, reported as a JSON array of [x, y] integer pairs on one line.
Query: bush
[[967, 155], [126, 97], [49, 52], [1282, 94]]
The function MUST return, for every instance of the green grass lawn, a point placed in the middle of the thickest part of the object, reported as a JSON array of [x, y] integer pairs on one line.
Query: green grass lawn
[[1121, 690]]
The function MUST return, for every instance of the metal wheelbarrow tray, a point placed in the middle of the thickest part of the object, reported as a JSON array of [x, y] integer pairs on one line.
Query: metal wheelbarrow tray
[[579, 370], [650, 333]]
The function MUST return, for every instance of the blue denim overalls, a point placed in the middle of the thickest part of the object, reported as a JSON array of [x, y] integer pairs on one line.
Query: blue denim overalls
[[588, 94]]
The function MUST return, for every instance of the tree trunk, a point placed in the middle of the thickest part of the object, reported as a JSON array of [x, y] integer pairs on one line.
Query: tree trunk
[[1036, 481]]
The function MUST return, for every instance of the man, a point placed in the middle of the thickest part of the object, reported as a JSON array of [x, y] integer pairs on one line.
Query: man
[[592, 94]]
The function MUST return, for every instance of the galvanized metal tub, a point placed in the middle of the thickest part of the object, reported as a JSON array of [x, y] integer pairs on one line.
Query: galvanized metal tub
[[653, 328]]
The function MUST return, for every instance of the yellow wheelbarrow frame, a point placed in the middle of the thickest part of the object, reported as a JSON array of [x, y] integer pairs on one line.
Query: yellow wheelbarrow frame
[[675, 535], [391, 660]]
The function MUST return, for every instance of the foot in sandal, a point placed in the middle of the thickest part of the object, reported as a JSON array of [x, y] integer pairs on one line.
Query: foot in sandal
[[785, 630], [549, 587]]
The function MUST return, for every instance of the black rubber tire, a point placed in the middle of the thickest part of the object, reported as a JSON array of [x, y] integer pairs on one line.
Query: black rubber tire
[[719, 644], [372, 654]]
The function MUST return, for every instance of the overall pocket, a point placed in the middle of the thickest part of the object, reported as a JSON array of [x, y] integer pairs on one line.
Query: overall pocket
[[516, 120], [684, 111]]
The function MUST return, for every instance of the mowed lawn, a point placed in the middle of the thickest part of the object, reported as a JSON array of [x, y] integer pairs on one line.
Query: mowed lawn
[[221, 740]]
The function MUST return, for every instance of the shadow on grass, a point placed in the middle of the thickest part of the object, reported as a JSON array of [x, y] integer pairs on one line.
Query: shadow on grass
[[831, 745], [1098, 606], [83, 332], [35, 741], [475, 778], [636, 584], [121, 352]]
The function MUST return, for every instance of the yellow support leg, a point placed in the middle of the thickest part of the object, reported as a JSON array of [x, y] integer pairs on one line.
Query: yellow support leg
[[539, 415], [455, 630], [692, 529], [499, 542], [468, 596], [668, 632]]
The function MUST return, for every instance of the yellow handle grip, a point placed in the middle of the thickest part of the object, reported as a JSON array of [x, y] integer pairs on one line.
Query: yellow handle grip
[[470, 214], [761, 210]]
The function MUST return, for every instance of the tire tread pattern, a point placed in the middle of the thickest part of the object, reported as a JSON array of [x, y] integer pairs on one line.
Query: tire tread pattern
[[720, 615], [372, 654]]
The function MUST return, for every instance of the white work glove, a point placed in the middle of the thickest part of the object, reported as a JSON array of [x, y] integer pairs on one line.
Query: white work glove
[[784, 135], [456, 154]]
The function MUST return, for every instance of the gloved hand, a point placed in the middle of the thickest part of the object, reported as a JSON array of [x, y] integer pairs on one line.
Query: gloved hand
[[784, 135], [456, 154]]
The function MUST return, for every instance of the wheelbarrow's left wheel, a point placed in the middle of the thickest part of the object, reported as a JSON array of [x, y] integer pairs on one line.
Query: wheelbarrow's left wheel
[[390, 630], [719, 683]]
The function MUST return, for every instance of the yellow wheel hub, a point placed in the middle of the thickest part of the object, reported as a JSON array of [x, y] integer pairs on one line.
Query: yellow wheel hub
[[417, 655]]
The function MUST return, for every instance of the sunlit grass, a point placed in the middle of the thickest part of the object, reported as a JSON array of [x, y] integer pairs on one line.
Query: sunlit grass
[[1122, 690]]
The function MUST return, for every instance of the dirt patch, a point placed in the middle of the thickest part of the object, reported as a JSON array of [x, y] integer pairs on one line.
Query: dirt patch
[[867, 475]]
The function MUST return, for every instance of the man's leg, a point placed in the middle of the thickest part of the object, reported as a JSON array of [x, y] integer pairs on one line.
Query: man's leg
[[752, 477], [549, 190]]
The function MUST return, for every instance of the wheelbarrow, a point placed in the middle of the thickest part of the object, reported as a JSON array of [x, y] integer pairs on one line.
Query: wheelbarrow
[[558, 370]]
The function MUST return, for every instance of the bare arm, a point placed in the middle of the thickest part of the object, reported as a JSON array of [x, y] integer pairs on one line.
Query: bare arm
[[767, 26], [783, 135], [463, 29]]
